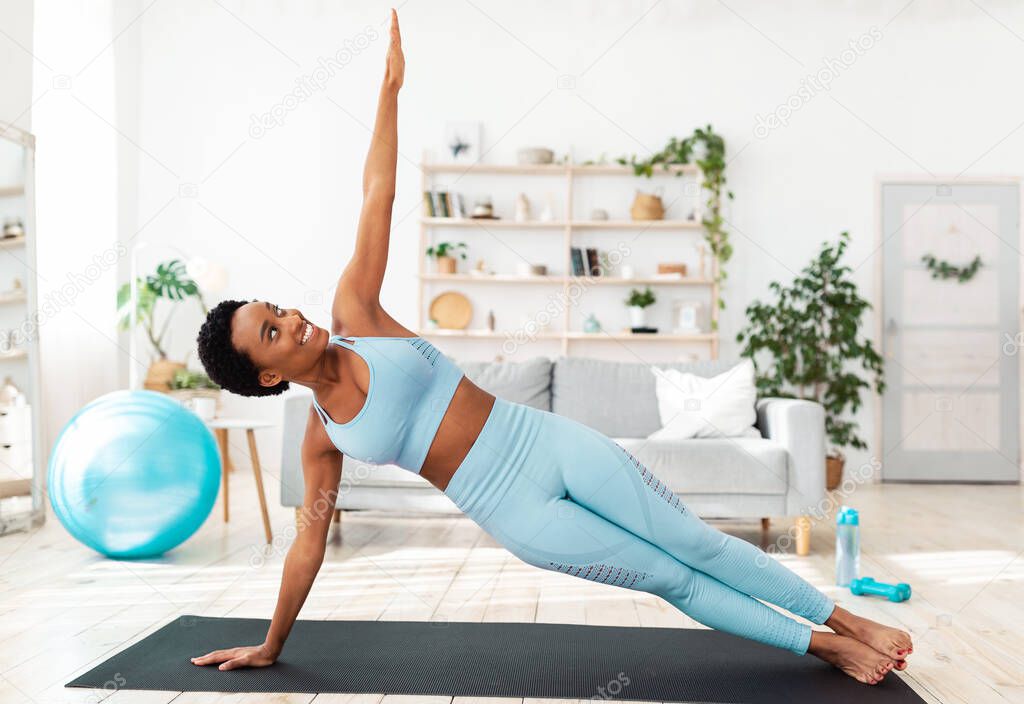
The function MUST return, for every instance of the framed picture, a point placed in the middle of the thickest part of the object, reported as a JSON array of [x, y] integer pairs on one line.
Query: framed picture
[[462, 142]]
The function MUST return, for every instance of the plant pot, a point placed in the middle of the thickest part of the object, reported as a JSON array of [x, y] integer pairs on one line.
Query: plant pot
[[446, 265], [160, 374], [637, 316], [834, 471]]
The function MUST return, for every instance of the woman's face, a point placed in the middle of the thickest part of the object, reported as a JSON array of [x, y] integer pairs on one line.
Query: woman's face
[[281, 342]]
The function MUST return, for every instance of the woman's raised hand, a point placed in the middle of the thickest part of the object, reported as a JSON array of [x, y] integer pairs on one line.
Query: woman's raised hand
[[394, 75], [231, 658]]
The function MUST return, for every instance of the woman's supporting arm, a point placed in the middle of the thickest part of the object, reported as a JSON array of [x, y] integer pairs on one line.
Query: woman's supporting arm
[[321, 466], [322, 471], [359, 287]]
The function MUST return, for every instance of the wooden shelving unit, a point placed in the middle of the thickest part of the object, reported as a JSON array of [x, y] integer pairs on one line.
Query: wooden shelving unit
[[486, 223], [570, 174], [22, 467], [597, 281]]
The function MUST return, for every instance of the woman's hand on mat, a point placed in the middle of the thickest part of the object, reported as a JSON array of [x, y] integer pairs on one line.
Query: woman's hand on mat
[[231, 658], [394, 75]]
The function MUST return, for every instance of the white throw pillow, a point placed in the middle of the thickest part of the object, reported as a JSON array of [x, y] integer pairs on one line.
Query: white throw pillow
[[693, 406]]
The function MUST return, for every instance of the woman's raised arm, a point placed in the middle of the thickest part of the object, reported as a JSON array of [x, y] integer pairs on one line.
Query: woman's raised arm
[[359, 287]]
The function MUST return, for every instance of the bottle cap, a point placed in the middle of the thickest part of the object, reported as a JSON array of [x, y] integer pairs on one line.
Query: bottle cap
[[847, 516]]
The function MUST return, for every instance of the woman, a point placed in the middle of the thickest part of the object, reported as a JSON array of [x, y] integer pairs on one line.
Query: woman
[[554, 492]]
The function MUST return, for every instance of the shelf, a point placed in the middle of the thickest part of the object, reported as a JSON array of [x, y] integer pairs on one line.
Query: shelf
[[637, 224], [16, 354], [619, 170], [596, 281], [553, 169], [496, 169], [646, 337], [494, 279], [649, 281], [6, 242], [485, 334], [484, 224], [591, 336], [11, 191], [13, 298]]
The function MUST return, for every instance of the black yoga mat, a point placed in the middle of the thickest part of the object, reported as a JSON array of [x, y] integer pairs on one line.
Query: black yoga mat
[[488, 659]]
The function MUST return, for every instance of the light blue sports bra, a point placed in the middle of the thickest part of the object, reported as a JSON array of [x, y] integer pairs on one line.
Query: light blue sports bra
[[411, 386]]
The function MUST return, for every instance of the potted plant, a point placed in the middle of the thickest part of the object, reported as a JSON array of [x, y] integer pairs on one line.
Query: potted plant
[[187, 385], [444, 253], [638, 302], [172, 284], [811, 346]]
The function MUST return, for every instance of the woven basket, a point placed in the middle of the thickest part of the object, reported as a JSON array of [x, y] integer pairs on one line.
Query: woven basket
[[647, 206], [160, 374]]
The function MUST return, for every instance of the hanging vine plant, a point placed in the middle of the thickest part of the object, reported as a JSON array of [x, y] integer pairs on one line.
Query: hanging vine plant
[[712, 166], [943, 270]]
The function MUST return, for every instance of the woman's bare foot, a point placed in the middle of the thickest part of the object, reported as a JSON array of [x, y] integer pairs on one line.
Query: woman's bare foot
[[861, 662], [889, 641]]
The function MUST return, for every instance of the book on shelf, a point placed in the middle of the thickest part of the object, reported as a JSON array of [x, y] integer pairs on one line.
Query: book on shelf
[[593, 263], [443, 204], [579, 268], [458, 206]]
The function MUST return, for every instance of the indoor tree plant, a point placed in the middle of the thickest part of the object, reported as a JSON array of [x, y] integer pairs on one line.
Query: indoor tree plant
[[638, 301], [707, 149], [810, 346], [171, 283], [444, 253]]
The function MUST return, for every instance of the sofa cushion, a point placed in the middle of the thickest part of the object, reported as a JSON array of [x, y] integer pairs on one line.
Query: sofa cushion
[[615, 398], [714, 465], [693, 406], [526, 382]]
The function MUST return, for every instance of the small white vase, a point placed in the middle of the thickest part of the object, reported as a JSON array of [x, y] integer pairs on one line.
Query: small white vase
[[637, 316]]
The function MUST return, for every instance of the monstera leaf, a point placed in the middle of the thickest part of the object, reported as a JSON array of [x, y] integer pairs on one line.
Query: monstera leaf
[[144, 308], [172, 281]]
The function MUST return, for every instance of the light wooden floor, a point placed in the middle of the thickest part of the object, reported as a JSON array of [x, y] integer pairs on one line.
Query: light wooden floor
[[63, 609]]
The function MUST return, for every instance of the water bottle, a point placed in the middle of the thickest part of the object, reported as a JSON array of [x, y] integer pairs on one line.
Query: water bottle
[[847, 545]]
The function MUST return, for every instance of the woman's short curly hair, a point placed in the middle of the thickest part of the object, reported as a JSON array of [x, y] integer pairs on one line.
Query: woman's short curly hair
[[232, 369]]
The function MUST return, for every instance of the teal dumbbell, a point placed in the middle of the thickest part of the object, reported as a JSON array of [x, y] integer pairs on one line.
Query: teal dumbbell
[[892, 592]]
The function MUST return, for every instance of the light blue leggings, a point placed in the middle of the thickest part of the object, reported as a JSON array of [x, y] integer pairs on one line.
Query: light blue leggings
[[563, 497]]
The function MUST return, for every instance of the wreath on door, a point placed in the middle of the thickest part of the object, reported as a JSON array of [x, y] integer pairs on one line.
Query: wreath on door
[[941, 269]]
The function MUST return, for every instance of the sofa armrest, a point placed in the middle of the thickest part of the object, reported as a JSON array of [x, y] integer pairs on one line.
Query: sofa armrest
[[799, 426], [293, 484]]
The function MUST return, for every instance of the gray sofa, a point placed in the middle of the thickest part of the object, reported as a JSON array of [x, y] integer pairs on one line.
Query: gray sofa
[[781, 473]]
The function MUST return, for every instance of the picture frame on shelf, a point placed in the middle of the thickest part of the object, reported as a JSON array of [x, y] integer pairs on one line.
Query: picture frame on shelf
[[462, 141]]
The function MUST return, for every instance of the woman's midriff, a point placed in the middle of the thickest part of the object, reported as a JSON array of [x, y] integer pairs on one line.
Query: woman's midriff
[[459, 429]]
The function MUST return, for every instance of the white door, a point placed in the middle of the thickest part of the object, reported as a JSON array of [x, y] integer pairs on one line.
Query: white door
[[950, 411]]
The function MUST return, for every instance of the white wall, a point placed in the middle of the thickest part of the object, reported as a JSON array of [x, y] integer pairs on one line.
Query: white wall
[[16, 64], [935, 94]]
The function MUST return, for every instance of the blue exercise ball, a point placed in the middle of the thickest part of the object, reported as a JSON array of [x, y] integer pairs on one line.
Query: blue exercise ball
[[133, 474]]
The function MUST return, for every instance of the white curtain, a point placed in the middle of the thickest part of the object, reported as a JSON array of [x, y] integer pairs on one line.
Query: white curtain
[[78, 255]]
